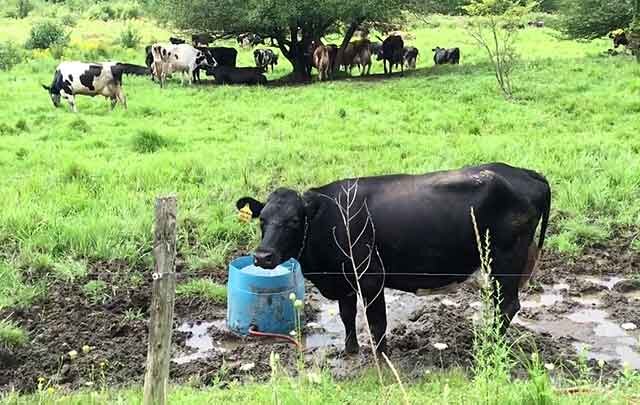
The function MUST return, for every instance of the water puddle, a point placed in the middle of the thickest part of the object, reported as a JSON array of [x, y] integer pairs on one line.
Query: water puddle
[[201, 342]]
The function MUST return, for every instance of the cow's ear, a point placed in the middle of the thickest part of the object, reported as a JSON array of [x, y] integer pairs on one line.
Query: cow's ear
[[312, 202], [254, 205]]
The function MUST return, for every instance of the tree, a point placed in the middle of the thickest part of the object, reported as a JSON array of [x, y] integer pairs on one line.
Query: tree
[[494, 26], [595, 18], [290, 25]]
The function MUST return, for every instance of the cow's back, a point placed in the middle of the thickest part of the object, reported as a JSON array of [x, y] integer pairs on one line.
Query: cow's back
[[422, 224]]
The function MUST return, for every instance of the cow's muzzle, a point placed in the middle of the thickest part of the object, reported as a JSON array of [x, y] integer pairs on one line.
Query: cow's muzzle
[[265, 259]]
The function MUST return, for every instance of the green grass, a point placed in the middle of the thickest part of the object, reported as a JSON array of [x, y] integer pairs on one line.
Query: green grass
[[11, 335], [319, 388], [95, 291], [204, 288]]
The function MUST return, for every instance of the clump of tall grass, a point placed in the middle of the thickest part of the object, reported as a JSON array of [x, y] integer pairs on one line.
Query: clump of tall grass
[[11, 335], [148, 141]]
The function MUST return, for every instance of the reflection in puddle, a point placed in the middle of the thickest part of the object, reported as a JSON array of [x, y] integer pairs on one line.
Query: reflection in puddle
[[200, 341]]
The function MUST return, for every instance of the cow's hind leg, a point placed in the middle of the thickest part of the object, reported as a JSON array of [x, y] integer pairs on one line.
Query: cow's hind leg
[[507, 271], [122, 98], [348, 311]]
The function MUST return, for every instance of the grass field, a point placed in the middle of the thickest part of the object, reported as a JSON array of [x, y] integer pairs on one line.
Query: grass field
[[77, 188]]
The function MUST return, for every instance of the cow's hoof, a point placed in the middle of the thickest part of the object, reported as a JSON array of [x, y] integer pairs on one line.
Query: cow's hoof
[[351, 349]]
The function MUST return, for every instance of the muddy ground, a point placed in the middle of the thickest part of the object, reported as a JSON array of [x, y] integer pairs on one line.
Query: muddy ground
[[588, 304]]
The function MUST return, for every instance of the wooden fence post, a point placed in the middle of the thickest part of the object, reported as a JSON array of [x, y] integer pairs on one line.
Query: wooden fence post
[[161, 311]]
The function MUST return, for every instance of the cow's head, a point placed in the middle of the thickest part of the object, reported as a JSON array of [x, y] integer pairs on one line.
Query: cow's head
[[55, 96], [205, 58], [284, 221]]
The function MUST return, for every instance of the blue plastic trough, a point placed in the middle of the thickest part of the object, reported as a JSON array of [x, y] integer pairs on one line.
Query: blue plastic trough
[[259, 297]]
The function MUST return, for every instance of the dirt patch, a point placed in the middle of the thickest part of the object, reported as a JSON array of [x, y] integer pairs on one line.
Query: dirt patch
[[572, 304]]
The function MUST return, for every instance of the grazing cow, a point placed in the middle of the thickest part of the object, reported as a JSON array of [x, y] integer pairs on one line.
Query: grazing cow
[[619, 37], [265, 58], [392, 52], [410, 57], [411, 233], [177, 41], [91, 79], [201, 39], [536, 23], [231, 75], [357, 53], [443, 55], [183, 58]]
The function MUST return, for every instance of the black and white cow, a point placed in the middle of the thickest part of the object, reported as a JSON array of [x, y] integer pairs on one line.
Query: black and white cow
[[410, 233], [91, 79], [442, 56], [183, 58], [216, 56], [410, 56], [265, 58]]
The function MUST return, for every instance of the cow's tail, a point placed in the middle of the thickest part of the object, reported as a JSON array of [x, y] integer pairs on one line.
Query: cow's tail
[[545, 209]]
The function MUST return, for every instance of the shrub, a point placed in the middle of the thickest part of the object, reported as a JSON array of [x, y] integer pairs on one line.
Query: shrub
[[69, 20], [104, 12], [23, 8], [594, 18], [10, 55], [148, 141], [46, 34], [127, 11], [130, 37]]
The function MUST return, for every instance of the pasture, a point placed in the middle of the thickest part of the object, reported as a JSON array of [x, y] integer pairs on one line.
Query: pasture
[[77, 193]]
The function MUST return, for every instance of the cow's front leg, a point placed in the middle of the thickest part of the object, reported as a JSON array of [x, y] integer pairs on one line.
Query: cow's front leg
[[348, 311]]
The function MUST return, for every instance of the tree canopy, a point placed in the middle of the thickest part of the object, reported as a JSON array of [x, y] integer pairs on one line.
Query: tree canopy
[[595, 18], [291, 24]]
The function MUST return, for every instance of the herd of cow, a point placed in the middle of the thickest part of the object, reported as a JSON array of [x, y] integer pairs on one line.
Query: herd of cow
[[178, 57]]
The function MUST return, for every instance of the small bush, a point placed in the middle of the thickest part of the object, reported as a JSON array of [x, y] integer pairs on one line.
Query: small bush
[[69, 20], [148, 141], [10, 55], [130, 37], [128, 11], [46, 34], [11, 335], [23, 8], [104, 12]]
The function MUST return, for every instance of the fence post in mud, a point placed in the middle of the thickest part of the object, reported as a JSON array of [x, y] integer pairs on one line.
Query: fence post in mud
[[162, 301]]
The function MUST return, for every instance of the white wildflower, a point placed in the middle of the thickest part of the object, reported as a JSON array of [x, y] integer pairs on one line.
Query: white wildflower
[[440, 346], [549, 366], [247, 367]]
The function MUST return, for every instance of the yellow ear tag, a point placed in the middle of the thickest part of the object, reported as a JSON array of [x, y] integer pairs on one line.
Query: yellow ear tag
[[245, 214]]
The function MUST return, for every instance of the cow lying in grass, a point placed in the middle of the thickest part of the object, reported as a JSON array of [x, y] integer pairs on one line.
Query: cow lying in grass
[[91, 79]]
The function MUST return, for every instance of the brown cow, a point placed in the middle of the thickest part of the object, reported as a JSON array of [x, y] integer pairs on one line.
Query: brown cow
[[322, 61], [357, 53]]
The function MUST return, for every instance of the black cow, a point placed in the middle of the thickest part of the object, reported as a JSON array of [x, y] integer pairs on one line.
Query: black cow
[[392, 52], [222, 56], [235, 75], [265, 58], [410, 56], [177, 41], [419, 236], [443, 55], [201, 39]]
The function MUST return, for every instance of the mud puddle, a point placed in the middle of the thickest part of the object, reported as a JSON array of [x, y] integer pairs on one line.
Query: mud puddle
[[199, 343]]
